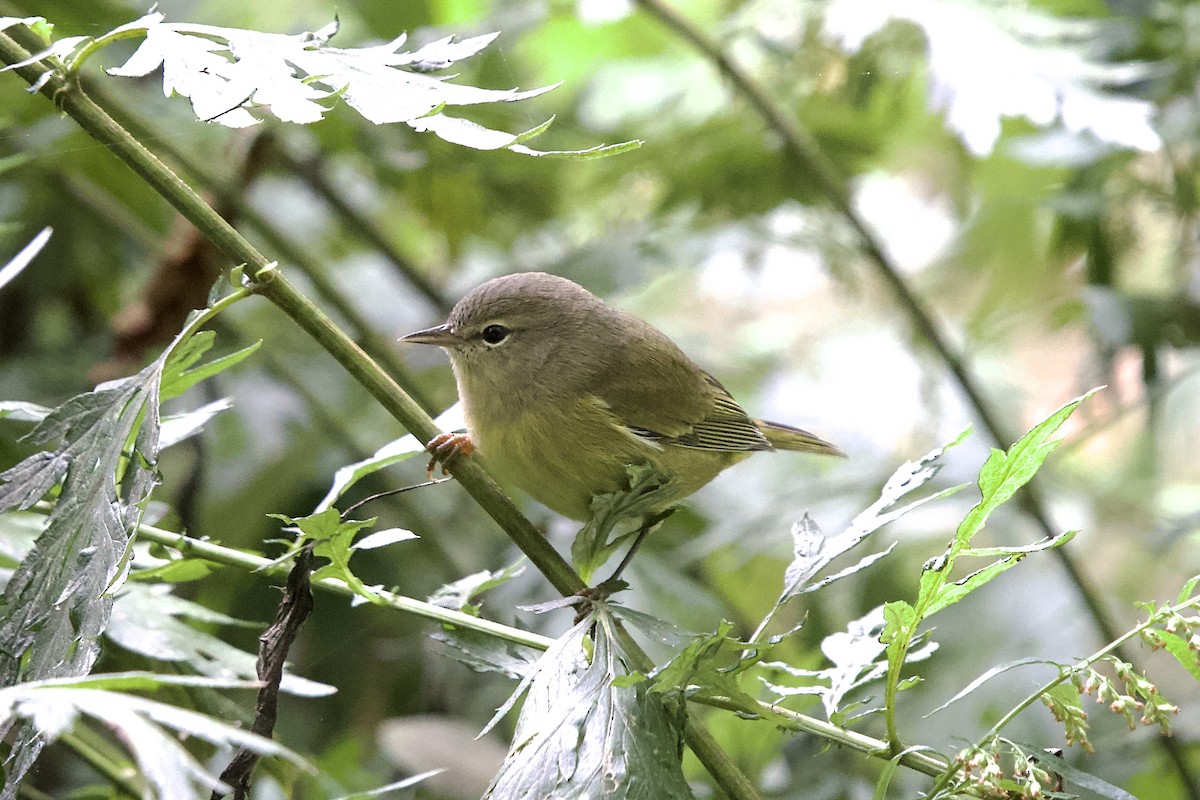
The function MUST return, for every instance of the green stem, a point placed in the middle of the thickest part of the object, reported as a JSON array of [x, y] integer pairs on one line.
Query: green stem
[[794, 721], [1112, 648], [121, 777], [253, 562], [890, 691], [93, 46], [206, 550], [198, 548]]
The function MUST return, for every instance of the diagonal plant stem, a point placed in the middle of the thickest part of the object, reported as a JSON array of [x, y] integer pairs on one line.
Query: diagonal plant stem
[[802, 147], [265, 278]]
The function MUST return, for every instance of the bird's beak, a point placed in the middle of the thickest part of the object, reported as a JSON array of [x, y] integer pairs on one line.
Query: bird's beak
[[442, 336]]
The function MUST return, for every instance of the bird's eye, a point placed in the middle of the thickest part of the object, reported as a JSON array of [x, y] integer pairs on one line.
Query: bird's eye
[[495, 334]]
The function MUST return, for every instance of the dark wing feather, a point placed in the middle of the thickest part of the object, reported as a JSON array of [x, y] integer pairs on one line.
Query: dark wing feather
[[677, 403]]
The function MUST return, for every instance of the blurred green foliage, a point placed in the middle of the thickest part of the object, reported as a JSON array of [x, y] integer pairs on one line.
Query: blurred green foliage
[[1059, 256]]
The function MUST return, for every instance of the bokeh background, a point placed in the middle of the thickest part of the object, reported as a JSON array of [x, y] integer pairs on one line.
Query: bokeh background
[[1029, 168]]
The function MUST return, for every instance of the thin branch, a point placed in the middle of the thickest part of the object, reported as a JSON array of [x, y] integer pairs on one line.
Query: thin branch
[[273, 647], [119, 773], [253, 562], [795, 721], [803, 148]]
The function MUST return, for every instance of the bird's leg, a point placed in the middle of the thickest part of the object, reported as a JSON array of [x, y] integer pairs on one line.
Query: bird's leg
[[445, 447], [648, 523], [613, 583]]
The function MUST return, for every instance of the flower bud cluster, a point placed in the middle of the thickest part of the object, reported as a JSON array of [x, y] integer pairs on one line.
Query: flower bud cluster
[[1132, 695], [985, 776]]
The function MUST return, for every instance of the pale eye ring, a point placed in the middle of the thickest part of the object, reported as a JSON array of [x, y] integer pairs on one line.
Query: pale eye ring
[[495, 334]]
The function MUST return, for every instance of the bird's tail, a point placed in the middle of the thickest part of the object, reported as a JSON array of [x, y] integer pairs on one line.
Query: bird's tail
[[785, 437]]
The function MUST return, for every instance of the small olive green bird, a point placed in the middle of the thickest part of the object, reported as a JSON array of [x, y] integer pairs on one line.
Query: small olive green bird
[[561, 392]]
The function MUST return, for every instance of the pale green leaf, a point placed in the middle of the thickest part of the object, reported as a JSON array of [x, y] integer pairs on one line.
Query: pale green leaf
[[21, 260], [578, 736]]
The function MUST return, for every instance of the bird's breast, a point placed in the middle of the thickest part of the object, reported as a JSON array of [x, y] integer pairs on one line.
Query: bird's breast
[[566, 452], [561, 454]]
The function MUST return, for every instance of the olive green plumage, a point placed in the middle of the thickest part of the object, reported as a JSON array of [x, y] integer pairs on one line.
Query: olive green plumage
[[561, 391]]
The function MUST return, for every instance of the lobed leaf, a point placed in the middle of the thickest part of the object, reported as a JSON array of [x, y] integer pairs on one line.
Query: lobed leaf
[[459, 594], [478, 651], [52, 708], [813, 551], [579, 736], [647, 492], [235, 77], [854, 657], [104, 446], [150, 621]]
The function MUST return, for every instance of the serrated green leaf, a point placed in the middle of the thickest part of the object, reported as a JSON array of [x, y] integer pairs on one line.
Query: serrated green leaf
[[1185, 593], [179, 380], [711, 665], [1178, 647], [459, 594], [1004, 473], [580, 737], [332, 539], [947, 594], [700, 656], [899, 619], [648, 491]]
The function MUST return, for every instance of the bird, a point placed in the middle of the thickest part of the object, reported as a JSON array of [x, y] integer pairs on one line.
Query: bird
[[562, 392]]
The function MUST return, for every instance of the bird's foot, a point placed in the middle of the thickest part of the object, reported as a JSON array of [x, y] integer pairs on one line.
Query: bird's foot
[[444, 448], [597, 594]]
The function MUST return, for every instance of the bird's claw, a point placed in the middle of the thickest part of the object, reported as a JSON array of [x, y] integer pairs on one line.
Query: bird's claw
[[596, 594], [445, 447]]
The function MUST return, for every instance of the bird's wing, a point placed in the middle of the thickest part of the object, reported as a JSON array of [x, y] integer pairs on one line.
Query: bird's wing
[[678, 404]]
